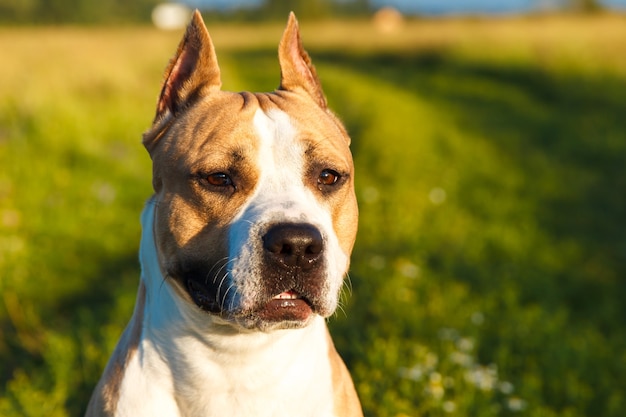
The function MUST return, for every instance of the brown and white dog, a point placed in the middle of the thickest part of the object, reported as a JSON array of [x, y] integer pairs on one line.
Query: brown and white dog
[[244, 249]]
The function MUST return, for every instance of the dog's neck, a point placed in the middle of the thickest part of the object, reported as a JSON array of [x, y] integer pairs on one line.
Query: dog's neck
[[205, 354]]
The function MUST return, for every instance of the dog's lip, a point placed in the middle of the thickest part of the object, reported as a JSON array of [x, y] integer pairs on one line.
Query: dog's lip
[[287, 306]]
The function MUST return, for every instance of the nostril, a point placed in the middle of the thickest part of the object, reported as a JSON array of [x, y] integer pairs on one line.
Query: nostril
[[286, 249], [314, 248], [294, 244]]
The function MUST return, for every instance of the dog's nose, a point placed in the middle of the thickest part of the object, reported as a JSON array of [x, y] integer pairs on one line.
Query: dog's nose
[[294, 245]]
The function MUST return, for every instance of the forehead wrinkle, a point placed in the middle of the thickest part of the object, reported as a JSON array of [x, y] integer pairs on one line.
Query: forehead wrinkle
[[315, 151], [314, 144], [222, 138]]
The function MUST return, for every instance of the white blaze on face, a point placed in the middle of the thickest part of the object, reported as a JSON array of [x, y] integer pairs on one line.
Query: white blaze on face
[[280, 196], [281, 157]]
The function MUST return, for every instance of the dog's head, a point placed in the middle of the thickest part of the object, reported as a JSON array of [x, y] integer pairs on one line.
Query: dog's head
[[256, 214]]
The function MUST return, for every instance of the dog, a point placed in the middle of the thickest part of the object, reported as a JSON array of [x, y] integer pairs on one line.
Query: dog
[[244, 248]]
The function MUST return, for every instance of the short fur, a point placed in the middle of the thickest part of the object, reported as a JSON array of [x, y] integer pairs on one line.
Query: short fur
[[244, 247]]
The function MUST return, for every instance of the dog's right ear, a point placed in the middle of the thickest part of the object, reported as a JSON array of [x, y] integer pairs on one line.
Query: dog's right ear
[[192, 73], [296, 69]]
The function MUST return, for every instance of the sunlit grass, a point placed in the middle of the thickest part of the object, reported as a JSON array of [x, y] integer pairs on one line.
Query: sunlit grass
[[488, 273]]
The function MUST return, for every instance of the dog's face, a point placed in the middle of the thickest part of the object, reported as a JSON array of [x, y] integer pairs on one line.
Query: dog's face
[[256, 213]]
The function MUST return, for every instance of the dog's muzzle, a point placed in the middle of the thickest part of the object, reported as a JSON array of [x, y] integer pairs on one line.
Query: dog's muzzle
[[293, 255], [288, 284]]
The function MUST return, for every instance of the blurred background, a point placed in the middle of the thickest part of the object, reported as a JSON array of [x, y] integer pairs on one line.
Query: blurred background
[[138, 11], [489, 137]]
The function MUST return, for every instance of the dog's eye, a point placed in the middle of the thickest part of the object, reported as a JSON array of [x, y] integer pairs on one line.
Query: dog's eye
[[219, 179], [328, 177]]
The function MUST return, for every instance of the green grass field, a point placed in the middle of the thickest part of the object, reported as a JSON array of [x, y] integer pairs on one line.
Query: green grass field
[[489, 276]]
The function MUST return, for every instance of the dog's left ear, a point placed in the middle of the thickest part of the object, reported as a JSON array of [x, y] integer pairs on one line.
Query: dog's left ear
[[296, 70], [192, 73]]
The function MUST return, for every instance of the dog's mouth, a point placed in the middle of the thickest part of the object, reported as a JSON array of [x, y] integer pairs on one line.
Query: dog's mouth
[[286, 306]]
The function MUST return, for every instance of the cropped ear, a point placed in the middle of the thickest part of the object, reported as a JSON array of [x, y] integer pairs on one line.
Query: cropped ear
[[296, 70], [192, 73]]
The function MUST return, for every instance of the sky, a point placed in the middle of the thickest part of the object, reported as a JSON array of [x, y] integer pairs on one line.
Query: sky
[[482, 6], [459, 6]]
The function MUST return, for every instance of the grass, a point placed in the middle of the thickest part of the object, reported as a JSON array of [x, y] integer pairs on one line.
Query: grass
[[488, 277]]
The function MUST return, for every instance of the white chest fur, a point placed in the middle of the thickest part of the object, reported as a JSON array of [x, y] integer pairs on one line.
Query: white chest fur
[[283, 375], [191, 364]]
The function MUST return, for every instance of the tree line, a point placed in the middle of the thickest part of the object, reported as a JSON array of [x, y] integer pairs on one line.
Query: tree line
[[33, 12], [138, 11], [75, 11]]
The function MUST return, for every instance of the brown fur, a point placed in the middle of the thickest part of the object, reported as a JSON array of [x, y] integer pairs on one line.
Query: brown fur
[[346, 400], [185, 145]]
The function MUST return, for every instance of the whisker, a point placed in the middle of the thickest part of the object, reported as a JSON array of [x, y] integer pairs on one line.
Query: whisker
[[218, 272], [224, 297], [340, 308], [344, 293], [347, 282], [215, 265], [232, 300], [219, 287]]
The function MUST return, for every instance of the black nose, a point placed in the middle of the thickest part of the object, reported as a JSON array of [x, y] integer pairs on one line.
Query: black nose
[[294, 245]]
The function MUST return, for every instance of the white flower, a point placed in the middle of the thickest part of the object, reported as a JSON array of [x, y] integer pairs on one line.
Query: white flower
[[448, 406], [516, 404], [465, 344], [435, 378], [414, 373], [408, 268], [483, 377], [437, 196], [462, 359], [377, 262], [477, 318], [431, 360], [506, 387], [447, 333]]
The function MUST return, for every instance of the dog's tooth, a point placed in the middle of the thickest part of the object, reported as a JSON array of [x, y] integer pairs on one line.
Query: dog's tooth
[[287, 295]]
